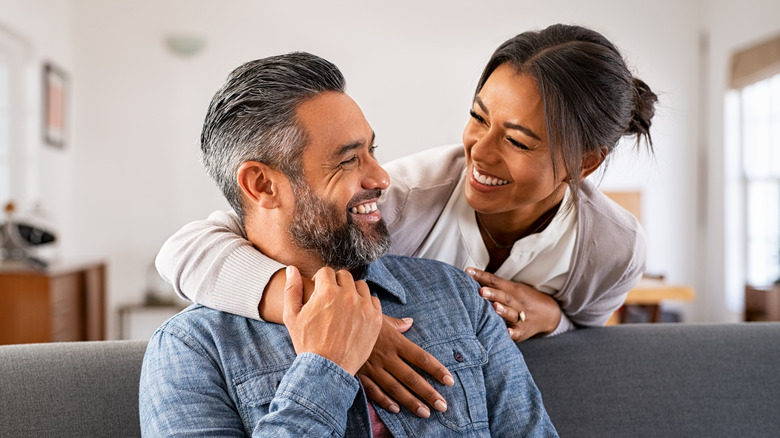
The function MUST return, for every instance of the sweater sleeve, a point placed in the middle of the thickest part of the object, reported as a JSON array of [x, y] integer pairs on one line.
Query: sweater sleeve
[[210, 262], [564, 325], [609, 262]]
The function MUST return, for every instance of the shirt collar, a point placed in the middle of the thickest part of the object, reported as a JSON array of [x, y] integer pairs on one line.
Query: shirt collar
[[377, 274]]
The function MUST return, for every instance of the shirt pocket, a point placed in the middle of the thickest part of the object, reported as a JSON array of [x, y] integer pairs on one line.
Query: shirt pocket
[[466, 400], [256, 389]]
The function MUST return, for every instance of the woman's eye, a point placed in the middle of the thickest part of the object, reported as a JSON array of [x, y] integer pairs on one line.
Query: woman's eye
[[372, 149], [517, 144], [476, 116]]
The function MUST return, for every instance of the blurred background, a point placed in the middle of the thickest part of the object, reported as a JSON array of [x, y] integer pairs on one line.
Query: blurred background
[[101, 104]]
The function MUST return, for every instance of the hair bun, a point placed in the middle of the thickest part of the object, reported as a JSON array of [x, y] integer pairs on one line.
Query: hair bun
[[644, 110]]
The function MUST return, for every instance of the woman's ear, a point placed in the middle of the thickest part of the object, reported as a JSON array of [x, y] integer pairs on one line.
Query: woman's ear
[[592, 160], [259, 184]]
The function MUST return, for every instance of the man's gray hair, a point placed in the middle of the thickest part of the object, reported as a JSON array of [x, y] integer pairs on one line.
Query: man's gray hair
[[252, 117]]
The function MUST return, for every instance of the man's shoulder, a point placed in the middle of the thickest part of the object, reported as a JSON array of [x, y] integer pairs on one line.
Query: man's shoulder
[[424, 276], [202, 325], [418, 264], [221, 337], [196, 314]]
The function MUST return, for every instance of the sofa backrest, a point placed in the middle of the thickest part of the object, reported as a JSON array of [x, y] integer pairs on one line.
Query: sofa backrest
[[643, 380], [661, 380], [78, 389]]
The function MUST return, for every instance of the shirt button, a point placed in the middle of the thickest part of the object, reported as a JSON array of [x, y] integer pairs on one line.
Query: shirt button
[[458, 357]]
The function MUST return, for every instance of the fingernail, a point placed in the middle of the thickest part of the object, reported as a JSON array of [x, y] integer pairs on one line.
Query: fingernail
[[471, 271], [487, 293], [423, 412], [499, 307], [394, 409], [440, 406], [407, 320], [289, 272], [448, 380]]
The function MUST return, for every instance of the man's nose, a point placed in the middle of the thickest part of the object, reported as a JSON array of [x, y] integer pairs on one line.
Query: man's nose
[[376, 177]]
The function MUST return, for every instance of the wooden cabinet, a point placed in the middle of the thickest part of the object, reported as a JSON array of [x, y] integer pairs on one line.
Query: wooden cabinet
[[61, 303], [762, 303]]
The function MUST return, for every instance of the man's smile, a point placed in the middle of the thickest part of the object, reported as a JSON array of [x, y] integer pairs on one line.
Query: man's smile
[[366, 208]]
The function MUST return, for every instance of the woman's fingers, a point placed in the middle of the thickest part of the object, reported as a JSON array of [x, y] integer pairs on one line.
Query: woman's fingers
[[391, 386], [526, 311], [486, 278], [374, 392], [388, 368], [500, 296], [425, 361]]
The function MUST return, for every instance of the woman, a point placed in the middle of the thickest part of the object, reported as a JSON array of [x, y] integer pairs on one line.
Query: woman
[[553, 252]]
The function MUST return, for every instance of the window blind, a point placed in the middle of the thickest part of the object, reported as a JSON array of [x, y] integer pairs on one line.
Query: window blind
[[755, 63]]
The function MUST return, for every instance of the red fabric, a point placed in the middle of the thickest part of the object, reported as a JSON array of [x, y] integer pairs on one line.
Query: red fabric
[[378, 428]]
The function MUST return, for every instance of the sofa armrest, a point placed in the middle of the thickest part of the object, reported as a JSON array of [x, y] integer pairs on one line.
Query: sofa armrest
[[76, 389]]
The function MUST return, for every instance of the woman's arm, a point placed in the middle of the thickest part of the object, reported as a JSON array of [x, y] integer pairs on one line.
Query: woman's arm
[[211, 263]]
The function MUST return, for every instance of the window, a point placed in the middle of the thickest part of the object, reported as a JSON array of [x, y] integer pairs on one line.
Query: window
[[15, 150], [752, 170], [760, 140], [5, 129]]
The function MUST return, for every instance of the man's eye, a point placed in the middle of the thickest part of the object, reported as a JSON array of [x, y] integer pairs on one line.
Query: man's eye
[[372, 149], [349, 161]]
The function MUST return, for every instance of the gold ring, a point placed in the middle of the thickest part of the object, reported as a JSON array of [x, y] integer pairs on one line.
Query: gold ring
[[521, 316]]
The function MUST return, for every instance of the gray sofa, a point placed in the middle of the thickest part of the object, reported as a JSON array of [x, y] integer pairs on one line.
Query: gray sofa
[[664, 380]]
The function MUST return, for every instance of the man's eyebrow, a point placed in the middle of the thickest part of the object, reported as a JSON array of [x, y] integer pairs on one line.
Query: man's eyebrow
[[347, 148], [508, 125]]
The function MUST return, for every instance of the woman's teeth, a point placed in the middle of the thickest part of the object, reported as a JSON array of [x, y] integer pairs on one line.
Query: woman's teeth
[[364, 208], [488, 181]]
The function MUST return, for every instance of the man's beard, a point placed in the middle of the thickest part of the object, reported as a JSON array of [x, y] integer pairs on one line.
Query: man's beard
[[330, 232]]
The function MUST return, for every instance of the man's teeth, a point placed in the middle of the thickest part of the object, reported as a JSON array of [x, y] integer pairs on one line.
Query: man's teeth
[[488, 181], [364, 208]]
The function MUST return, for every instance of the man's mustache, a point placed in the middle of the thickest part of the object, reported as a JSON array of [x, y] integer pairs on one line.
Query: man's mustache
[[363, 197]]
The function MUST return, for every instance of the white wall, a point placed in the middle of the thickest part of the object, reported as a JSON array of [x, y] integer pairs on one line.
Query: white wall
[[131, 167], [42, 28]]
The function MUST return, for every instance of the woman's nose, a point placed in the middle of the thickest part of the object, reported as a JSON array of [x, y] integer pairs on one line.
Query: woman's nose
[[482, 148]]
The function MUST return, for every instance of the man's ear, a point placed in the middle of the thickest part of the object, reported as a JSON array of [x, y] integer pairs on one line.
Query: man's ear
[[592, 160], [260, 184]]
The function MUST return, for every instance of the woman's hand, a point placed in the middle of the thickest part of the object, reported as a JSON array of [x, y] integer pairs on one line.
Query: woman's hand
[[526, 311], [388, 379]]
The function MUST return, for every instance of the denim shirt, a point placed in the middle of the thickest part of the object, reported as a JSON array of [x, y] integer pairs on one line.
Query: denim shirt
[[211, 373]]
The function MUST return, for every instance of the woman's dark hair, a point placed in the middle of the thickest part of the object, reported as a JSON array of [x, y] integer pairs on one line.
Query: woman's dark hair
[[591, 100]]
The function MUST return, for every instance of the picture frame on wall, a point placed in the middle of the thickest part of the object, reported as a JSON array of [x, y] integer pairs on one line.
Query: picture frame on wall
[[55, 94]]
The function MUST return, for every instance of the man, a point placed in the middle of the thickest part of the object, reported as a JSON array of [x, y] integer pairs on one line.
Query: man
[[293, 155]]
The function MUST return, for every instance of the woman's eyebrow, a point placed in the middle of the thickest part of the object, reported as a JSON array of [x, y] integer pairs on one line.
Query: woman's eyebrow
[[508, 125]]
